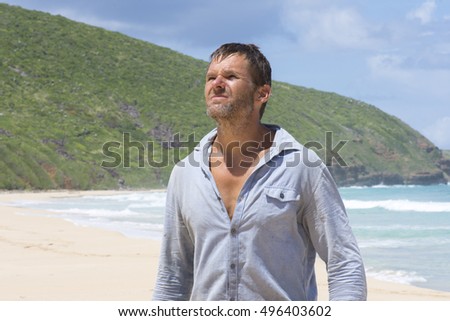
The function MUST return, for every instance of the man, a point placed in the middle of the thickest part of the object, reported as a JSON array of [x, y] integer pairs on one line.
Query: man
[[249, 209]]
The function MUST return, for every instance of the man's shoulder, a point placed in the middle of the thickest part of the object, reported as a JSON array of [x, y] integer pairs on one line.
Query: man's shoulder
[[286, 143], [196, 158]]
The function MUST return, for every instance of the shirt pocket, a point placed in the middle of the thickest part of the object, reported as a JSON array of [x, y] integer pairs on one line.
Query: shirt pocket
[[280, 201], [281, 194], [277, 215]]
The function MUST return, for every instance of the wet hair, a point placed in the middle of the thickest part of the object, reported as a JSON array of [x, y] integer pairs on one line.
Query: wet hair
[[259, 65]]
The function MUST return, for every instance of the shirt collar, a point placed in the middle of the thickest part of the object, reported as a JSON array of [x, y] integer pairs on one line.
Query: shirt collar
[[283, 141]]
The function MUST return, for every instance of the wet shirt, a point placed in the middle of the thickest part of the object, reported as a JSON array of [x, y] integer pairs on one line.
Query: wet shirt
[[288, 211]]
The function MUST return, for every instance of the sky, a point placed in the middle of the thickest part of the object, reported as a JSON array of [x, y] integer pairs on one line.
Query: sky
[[393, 54]]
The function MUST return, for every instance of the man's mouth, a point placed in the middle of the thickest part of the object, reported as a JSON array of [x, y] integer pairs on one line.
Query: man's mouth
[[213, 97]]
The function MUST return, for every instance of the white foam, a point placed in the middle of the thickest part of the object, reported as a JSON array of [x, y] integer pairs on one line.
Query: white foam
[[399, 205], [379, 186], [404, 227], [127, 228], [97, 212], [386, 243], [396, 276], [153, 198]]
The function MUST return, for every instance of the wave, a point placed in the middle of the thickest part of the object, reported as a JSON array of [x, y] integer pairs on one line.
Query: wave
[[399, 205], [398, 227], [379, 186], [393, 243], [385, 244], [98, 212], [127, 228], [396, 276], [153, 198]]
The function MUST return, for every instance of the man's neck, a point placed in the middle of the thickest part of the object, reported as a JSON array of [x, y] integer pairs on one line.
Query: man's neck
[[243, 143]]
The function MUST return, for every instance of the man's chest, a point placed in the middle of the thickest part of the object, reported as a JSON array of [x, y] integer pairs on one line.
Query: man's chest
[[229, 184]]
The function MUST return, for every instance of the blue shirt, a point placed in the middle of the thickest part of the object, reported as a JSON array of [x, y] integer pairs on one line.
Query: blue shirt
[[288, 210]]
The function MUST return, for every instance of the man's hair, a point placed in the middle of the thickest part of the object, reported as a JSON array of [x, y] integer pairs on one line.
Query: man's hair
[[259, 65]]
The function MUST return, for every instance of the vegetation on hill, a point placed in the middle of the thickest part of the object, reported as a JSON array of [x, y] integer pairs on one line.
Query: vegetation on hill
[[86, 108]]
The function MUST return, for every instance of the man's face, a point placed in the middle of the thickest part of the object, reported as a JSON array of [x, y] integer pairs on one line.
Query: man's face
[[229, 88]]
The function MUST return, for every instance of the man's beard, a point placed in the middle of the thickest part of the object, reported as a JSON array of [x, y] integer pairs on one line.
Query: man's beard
[[220, 111], [238, 109]]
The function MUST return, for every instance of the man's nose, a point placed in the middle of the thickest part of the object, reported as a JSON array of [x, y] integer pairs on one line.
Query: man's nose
[[219, 82]]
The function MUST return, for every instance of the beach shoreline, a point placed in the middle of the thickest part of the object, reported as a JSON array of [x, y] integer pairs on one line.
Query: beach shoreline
[[49, 258]]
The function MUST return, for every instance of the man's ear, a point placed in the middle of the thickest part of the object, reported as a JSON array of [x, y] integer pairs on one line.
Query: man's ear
[[264, 93]]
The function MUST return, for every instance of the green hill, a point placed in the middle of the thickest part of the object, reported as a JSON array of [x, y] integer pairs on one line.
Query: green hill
[[76, 97]]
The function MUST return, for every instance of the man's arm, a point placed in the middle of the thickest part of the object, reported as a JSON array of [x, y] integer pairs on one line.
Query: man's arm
[[175, 272], [334, 241]]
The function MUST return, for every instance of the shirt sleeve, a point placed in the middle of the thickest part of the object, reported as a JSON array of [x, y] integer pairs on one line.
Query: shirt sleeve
[[175, 271], [333, 239]]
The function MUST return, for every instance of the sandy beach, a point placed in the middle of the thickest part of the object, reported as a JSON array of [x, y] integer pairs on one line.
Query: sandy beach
[[48, 258]]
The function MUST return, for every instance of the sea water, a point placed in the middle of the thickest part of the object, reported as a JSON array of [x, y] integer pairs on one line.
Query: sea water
[[137, 214], [403, 231]]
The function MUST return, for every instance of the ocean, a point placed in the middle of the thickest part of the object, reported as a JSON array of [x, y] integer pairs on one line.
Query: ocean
[[403, 231]]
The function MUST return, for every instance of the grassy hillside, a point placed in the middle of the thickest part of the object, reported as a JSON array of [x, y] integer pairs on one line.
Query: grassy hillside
[[68, 89]]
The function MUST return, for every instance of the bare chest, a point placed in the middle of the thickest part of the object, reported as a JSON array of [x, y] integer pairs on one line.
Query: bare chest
[[229, 183]]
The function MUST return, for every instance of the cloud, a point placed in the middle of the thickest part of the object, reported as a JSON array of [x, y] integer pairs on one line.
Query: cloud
[[385, 62], [411, 74], [424, 13], [317, 25], [439, 133]]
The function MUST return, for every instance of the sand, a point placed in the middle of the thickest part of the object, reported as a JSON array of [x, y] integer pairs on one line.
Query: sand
[[47, 258]]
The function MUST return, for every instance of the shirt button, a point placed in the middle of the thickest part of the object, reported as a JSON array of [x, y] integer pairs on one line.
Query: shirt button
[[282, 195], [233, 231], [232, 265]]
